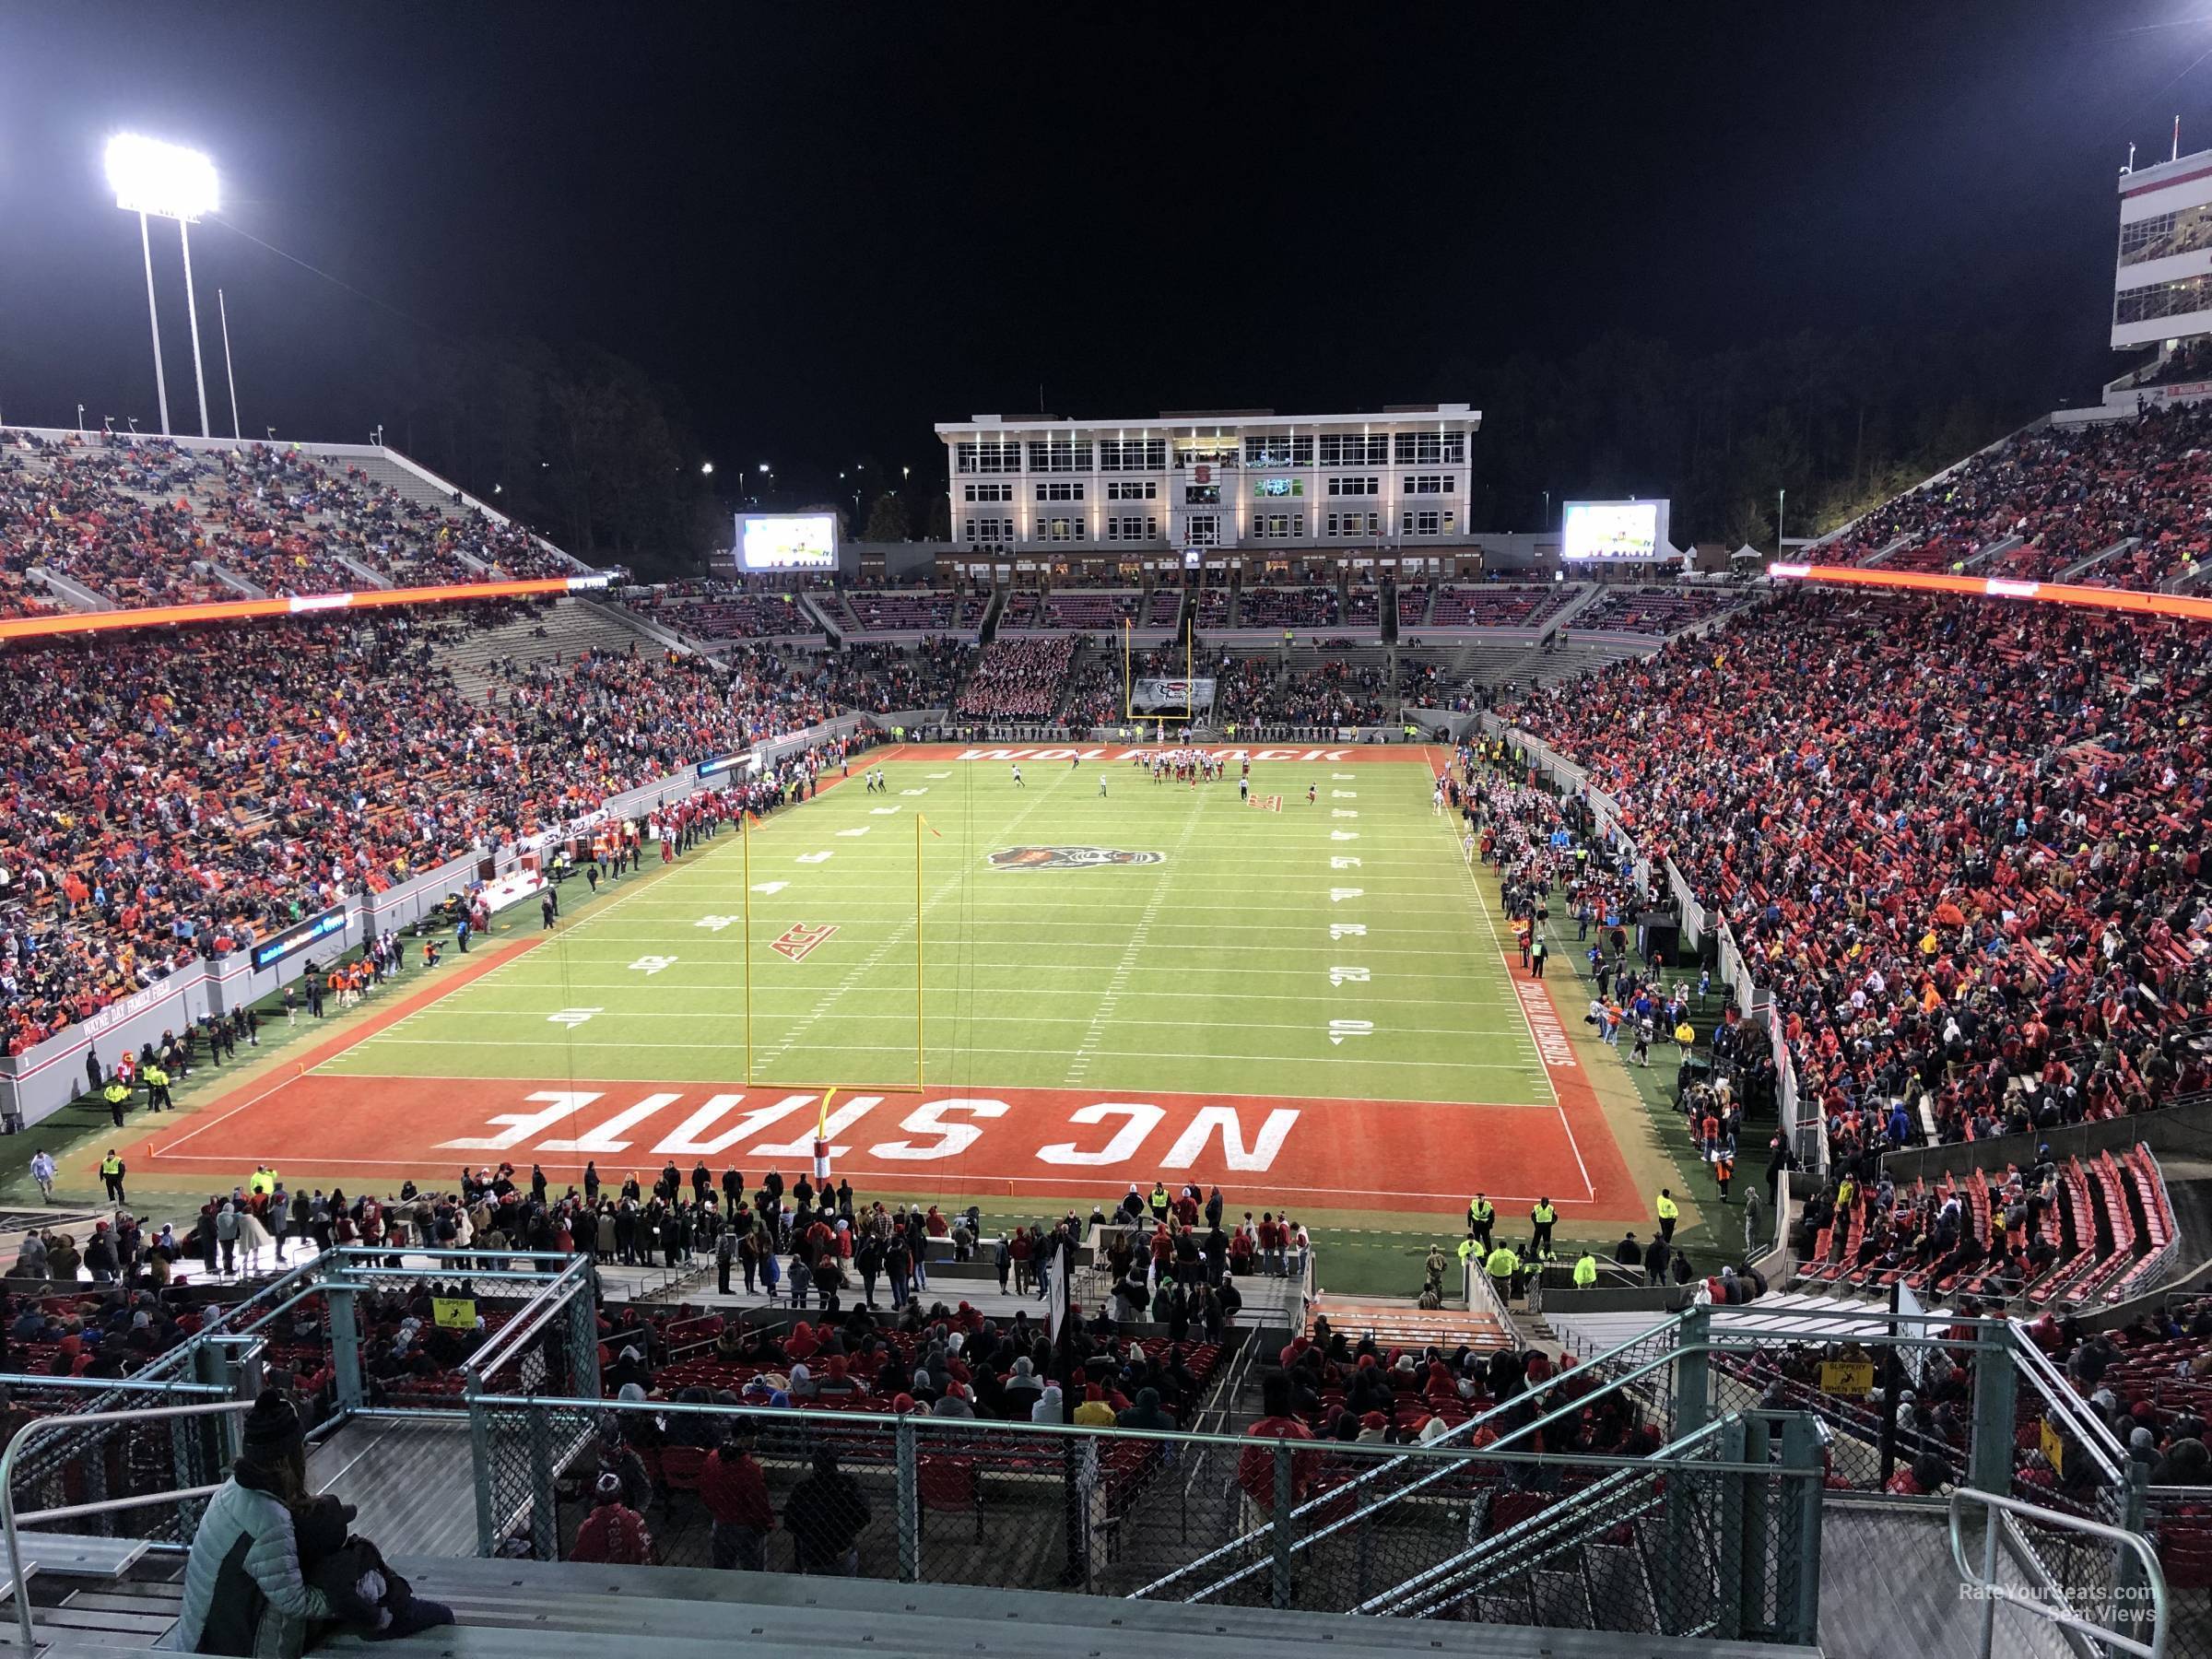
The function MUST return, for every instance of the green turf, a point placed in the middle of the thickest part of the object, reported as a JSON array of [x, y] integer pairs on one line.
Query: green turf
[[1210, 971]]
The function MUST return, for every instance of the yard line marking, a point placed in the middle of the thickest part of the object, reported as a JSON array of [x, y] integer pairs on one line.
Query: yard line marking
[[1080, 1063], [1177, 994], [1023, 1018], [1461, 954], [904, 931], [1030, 1049]]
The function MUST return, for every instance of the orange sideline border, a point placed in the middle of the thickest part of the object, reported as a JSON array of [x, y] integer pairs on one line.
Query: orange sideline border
[[298, 604], [2133, 600]]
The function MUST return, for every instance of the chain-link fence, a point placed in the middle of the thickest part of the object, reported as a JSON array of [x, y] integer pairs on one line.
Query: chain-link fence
[[2179, 1522], [1341, 1526], [68, 1467]]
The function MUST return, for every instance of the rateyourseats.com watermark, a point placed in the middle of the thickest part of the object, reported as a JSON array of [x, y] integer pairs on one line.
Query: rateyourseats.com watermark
[[2082, 1599]]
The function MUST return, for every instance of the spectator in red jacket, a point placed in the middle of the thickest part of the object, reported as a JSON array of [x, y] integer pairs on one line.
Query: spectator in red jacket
[[613, 1532], [1255, 1467], [736, 1493]]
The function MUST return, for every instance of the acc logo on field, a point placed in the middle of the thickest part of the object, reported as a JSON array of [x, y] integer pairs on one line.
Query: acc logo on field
[[799, 939], [1069, 858]]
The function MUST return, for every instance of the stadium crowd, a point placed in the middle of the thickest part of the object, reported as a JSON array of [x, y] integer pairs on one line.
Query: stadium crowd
[[168, 796], [142, 521], [1960, 845], [2066, 492], [1336, 693], [1019, 679]]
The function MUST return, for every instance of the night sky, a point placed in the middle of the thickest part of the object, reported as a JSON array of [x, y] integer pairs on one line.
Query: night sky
[[827, 226]]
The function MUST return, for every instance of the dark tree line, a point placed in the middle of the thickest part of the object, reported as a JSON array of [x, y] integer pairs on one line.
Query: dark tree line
[[1840, 421], [579, 443], [589, 449]]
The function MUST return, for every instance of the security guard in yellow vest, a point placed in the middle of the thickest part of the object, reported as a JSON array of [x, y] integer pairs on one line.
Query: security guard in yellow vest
[[157, 1090], [1466, 1248], [1669, 1213], [1585, 1271], [111, 1171], [1481, 1216], [117, 1098], [1501, 1265], [1542, 1218]]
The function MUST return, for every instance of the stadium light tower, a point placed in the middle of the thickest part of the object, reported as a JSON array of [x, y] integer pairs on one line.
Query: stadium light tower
[[165, 181]]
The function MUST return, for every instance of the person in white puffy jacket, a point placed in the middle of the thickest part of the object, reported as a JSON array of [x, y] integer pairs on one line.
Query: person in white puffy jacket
[[243, 1592]]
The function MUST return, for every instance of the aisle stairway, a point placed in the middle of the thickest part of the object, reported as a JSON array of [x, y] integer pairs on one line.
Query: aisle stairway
[[526, 1609], [1775, 1316], [1400, 1322], [570, 628]]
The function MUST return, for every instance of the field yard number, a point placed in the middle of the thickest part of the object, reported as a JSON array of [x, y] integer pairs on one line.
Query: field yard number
[[573, 1018], [651, 964], [1343, 812], [715, 924], [1341, 777], [1338, 895], [1344, 864], [861, 829], [881, 811], [770, 887], [1348, 976], [1344, 835], [1347, 930], [812, 858], [913, 791], [1344, 794], [1341, 1029]]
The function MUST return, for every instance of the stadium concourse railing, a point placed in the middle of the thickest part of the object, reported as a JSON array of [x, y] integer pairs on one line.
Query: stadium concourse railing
[[1762, 1430], [1809, 1130], [44, 1078], [1725, 1532]]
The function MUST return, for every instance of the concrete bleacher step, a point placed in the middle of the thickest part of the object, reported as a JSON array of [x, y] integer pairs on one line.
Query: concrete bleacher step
[[1621, 1590], [570, 626], [1506, 1606], [1562, 1599], [1403, 1324], [75, 1554], [520, 1610]]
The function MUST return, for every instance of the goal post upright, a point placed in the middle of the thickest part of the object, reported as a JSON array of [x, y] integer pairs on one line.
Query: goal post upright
[[919, 1049], [1127, 686], [745, 838]]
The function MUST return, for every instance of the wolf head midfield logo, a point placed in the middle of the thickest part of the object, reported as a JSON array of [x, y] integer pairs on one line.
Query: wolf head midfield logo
[[1069, 858]]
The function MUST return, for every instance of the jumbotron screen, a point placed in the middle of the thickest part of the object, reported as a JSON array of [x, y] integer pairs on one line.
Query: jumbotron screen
[[786, 541], [1625, 530]]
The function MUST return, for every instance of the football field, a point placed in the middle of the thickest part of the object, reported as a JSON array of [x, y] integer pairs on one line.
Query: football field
[[1017, 991]]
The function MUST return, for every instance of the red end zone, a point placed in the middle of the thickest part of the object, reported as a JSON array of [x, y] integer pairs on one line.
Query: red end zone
[[1373, 1155]]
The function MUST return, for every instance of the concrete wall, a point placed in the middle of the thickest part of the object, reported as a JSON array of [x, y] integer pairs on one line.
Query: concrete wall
[[2181, 1129]]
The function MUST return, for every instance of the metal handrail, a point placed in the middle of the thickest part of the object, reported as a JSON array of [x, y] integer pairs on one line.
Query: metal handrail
[[2088, 1428], [1445, 1575], [1993, 1591], [40, 1426], [554, 1295], [1336, 1495]]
